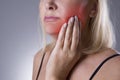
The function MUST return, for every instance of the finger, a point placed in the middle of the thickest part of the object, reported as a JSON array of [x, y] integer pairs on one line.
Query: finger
[[79, 41], [75, 35], [68, 34], [61, 36]]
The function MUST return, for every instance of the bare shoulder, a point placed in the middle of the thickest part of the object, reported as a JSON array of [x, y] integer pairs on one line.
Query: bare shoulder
[[114, 68], [36, 61], [38, 55], [111, 69]]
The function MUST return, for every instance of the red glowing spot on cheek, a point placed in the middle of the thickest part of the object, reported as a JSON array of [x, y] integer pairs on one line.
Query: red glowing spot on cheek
[[77, 11]]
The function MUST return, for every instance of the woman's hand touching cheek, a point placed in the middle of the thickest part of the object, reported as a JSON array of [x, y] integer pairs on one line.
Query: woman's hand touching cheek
[[65, 53]]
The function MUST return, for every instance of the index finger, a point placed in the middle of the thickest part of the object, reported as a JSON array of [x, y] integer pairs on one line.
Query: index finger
[[61, 36]]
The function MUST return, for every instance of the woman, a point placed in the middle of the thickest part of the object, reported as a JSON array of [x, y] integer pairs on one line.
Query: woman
[[83, 40]]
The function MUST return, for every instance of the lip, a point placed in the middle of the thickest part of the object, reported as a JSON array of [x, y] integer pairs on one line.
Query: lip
[[50, 18]]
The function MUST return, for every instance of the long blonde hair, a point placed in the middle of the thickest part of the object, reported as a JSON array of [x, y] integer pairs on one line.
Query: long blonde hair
[[102, 32]]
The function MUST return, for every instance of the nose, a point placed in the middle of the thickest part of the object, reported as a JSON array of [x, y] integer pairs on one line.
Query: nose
[[51, 5]]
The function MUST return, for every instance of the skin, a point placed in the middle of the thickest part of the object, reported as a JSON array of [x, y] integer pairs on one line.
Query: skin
[[63, 55], [64, 9]]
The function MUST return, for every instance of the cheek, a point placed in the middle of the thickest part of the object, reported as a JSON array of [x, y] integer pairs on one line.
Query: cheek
[[83, 14], [80, 11]]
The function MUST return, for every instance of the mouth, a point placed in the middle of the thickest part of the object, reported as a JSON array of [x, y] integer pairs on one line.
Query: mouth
[[50, 18]]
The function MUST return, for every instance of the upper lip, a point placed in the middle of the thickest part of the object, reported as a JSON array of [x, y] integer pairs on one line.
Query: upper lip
[[51, 18]]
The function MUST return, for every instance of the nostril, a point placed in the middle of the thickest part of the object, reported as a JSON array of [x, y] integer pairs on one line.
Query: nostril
[[50, 8]]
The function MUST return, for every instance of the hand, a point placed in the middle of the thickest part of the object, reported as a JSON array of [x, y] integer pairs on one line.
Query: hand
[[65, 53]]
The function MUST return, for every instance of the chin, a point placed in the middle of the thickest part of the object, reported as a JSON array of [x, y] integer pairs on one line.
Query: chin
[[52, 32], [52, 29]]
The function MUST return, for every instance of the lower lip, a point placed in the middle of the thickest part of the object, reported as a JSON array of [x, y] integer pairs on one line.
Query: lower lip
[[51, 19]]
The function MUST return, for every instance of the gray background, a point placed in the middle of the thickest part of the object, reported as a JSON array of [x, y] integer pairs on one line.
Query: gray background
[[20, 38]]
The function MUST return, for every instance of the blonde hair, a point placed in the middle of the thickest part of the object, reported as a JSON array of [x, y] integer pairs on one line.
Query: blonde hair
[[100, 33]]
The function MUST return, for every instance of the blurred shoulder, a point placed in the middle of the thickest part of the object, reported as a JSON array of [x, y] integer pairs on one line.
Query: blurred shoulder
[[38, 55], [37, 60], [111, 69]]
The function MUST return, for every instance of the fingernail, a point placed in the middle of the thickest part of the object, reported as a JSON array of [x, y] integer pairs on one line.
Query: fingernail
[[71, 19], [76, 18], [65, 25]]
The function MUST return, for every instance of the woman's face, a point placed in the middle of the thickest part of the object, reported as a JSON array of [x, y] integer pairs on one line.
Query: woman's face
[[54, 13]]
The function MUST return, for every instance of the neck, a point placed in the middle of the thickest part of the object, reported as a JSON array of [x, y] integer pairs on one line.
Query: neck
[[54, 38]]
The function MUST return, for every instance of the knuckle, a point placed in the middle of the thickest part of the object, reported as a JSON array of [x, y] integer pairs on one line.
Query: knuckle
[[68, 38], [72, 56], [74, 48], [65, 50], [76, 37]]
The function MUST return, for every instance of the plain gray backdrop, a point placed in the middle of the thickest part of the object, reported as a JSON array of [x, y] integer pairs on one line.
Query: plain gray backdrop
[[20, 38]]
